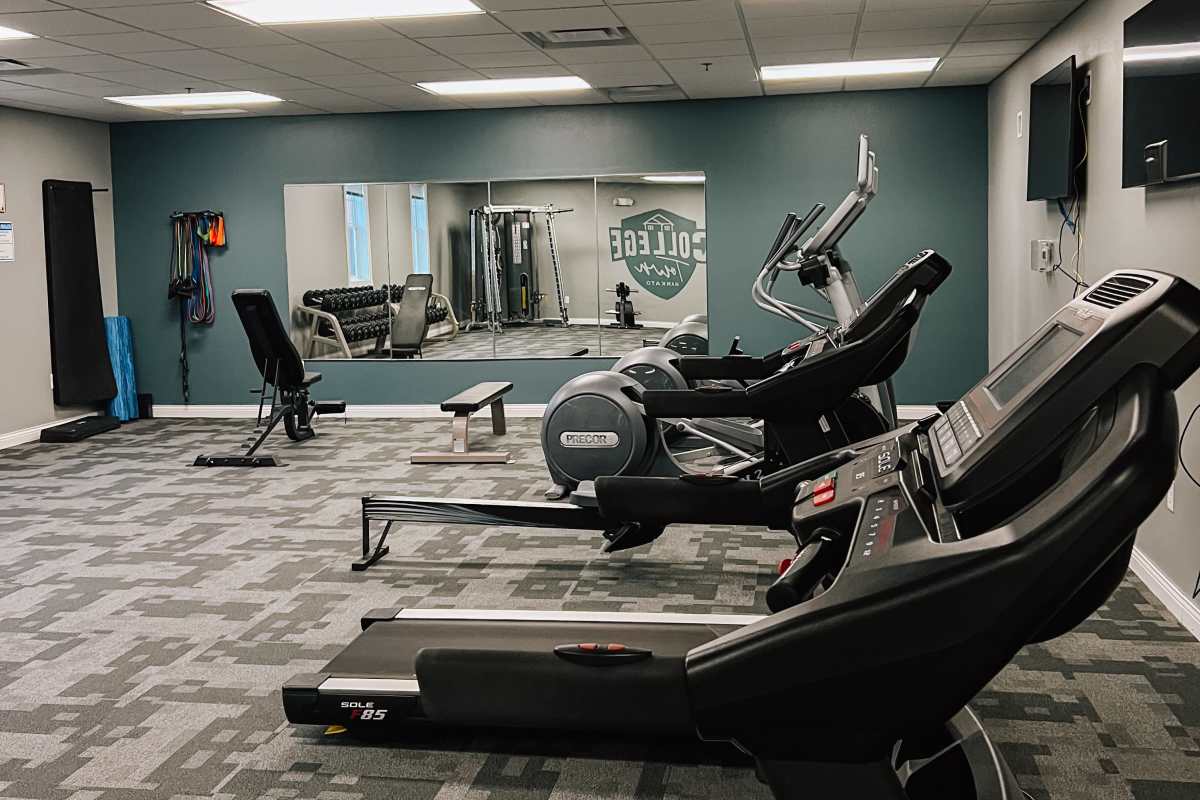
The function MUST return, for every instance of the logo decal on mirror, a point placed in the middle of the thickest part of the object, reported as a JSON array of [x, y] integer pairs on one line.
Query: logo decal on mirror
[[661, 249]]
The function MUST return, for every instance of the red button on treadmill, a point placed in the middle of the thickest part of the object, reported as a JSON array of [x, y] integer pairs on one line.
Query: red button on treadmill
[[822, 486], [589, 647], [616, 648], [823, 498]]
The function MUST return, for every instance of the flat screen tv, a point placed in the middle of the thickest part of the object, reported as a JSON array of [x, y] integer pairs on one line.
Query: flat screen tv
[[1162, 94], [1056, 114]]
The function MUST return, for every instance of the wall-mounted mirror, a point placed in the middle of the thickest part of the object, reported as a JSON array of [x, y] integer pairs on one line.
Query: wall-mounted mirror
[[538, 268], [654, 262]]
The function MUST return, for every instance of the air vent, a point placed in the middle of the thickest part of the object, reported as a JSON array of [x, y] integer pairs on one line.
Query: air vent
[[645, 94], [579, 37], [1119, 288]]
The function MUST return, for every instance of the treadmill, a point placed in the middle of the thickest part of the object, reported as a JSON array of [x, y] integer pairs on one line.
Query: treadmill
[[927, 558]]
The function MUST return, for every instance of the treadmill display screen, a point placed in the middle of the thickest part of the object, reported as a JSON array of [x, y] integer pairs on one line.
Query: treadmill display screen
[[1035, 361]]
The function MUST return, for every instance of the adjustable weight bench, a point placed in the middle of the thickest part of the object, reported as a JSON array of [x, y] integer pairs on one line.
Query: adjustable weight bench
[[463, 405], [282, 367]]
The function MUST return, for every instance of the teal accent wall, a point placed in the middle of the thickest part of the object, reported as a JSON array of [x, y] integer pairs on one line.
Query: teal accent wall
[[763, 157]]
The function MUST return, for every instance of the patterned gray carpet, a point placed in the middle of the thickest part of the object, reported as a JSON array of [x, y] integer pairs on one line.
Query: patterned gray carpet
[[150, 611]]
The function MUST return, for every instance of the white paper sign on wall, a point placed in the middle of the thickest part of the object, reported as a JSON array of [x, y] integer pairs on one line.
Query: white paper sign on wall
[[8, 246]]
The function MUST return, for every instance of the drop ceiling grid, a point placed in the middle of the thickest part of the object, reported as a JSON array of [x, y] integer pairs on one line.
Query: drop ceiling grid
[[708, 48]]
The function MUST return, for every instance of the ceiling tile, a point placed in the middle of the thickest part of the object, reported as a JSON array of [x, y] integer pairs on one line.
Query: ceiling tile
[[175, 15], [730, 70], [67, 82], [240, 36], [1023, 30], [1053, 11], [691, 32], [901, 51], [93, 4], [497, 43], [677, 13], [202, 63], [526, 5], [560, 19], [339, 32], [121, 43], [917, 18], [90, 63], [907, 37], [418, 76], [1001, 47], [810, 57], [357, 81], [396, 47], [392, 95], [630, 73], [920, 5], [432, 61], [800, 44], [599, 55], [159, 80], [530, 58], [327, 99], [724, 47], [325, 66], [11, 6], [273, 54], [804, 26], [37, 48], [798, 8], [272, 84], [458, 25], [543, 71], [61, 23]]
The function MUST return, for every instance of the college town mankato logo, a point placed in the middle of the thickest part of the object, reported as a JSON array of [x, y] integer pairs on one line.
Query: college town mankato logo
[[661, 250]]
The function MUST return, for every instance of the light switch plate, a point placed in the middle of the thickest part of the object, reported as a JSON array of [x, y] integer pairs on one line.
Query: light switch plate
[[1042, 254], [3, 202]]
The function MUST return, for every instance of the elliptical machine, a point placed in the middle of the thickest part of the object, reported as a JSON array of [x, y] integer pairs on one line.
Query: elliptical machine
[[613, 423]]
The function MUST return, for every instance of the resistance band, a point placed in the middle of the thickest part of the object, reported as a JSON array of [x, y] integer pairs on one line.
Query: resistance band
[[192, 233]]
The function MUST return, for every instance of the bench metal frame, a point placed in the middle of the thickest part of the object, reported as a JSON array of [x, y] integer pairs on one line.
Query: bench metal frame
[[460, 447]]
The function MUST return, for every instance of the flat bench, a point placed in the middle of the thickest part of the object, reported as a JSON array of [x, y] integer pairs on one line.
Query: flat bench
[[463, 405]]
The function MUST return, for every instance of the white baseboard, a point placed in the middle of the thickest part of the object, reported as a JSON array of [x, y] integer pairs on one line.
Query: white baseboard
[[34, 433], [514, 410], [1175, 599], [430, 411]]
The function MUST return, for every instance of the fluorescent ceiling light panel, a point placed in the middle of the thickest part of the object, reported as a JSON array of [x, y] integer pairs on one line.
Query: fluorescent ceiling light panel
[[506, 86], [1163, 52], [282, 12], [673, 178], [232, 100], [848, 69], [13, 33]]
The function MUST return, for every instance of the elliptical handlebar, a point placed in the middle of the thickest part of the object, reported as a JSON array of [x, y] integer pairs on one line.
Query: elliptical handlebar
[[816, 247]]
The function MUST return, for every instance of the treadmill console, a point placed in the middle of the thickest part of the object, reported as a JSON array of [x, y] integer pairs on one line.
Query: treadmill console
[[950, 478]]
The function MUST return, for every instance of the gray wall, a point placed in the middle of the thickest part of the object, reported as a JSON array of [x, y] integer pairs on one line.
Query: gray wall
[[34, 147], [762, 157], [1154, 228]]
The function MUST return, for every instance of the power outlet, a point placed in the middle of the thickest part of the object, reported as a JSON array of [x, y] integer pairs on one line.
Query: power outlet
[[1171, 498], [1042, 253]]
